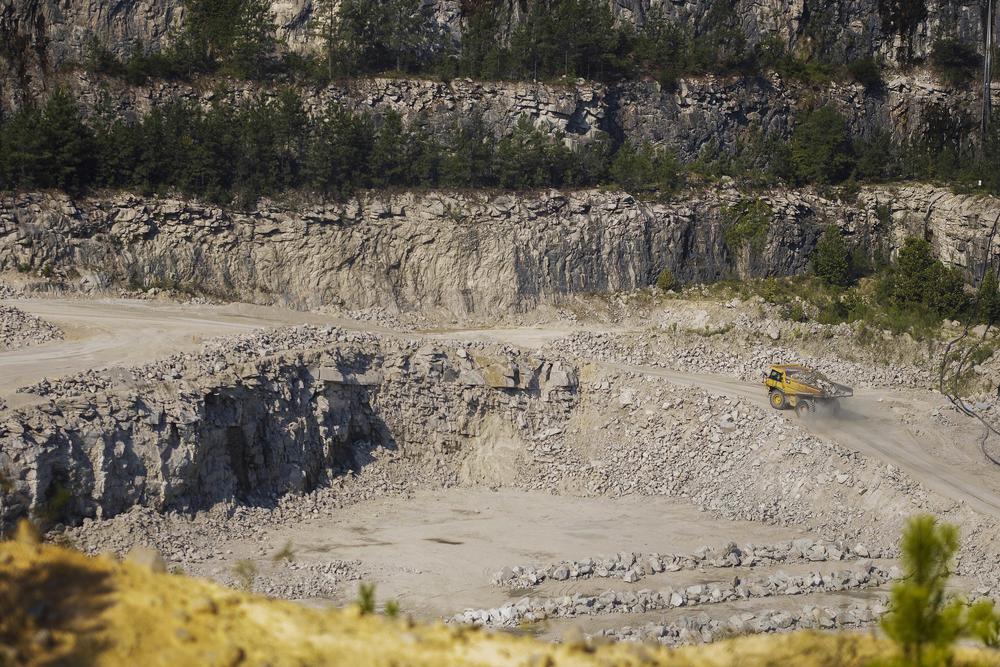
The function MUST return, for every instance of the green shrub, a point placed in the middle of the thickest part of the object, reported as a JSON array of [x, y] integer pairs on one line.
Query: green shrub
[[747, 223], [366, 598], [955, 60], [665, 281], [983, 623], [831, 259], [867, 72], [820, 147]]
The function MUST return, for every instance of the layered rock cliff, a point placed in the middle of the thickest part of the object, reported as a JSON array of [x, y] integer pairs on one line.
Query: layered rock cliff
[[254, 418], [44, 35], [483, 253], [464, 253]]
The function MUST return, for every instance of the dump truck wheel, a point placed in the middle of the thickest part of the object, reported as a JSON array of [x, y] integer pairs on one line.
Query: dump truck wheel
[[777, 399], [804, 407]]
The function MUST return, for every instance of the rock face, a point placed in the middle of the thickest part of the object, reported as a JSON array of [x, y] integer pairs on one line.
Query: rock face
[[580, 110], [45, 35], [461, 253], [261, 416], [717, 112], [49, 38]]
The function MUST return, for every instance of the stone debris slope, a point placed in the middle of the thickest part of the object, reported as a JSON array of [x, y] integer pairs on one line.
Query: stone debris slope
[[20, 329]]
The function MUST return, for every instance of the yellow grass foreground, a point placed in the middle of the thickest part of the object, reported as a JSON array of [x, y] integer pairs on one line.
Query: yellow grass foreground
[[59, 607]]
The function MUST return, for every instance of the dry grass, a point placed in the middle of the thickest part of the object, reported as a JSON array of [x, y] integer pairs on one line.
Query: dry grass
[[61, 607]]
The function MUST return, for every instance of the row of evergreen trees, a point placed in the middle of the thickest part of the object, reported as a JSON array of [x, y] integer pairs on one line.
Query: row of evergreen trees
[[554, 38], [269, 147]]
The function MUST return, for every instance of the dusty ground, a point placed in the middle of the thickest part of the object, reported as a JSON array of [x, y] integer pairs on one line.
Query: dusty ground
[[436, 551]]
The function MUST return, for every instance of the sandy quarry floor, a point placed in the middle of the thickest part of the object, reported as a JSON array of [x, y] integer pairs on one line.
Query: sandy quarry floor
[[436, 552]]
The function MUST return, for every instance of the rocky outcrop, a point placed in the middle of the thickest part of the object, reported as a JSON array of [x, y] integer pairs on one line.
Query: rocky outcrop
[[463, 253], [579, 110], [257, 417], [717, 112], [43, 36]]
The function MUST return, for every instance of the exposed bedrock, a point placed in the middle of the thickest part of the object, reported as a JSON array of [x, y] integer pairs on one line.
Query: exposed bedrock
[[45, 35], [256, 418], [465, 254]]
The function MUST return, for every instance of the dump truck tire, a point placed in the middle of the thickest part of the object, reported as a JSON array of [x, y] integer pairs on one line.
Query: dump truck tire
[[804, 406], [777, 399]]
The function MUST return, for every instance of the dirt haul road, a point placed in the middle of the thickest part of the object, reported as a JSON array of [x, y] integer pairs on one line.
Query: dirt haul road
[[115, 332], [895, 427]]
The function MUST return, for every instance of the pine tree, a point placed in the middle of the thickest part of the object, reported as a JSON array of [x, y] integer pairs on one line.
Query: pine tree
[[388, 164], [989, 298], [923, 622], [821, 149], [831, 260], [21, 150], [324, 26], [66, 145], [254, 42], [377, 35]]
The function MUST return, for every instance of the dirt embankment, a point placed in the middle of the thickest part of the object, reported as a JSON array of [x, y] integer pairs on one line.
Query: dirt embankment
[[98, 611]]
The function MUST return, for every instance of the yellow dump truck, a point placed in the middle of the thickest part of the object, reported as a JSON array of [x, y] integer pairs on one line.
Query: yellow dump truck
[[803, 389]]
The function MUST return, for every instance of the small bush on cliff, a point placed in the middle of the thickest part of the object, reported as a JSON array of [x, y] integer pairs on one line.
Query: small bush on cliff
[[955, 60], [747, 223], [867, 72], [665, 281], [831, 259]]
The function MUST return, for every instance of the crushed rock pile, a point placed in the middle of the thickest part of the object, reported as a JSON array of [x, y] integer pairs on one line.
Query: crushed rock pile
[[700, 628], [9, 293], [532, 609], [218, 356], [20, 329], [632, 567]]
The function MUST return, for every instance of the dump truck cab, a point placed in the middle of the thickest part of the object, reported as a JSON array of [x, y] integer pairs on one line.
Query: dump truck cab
[[802, 388]]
